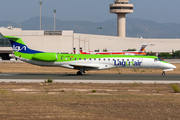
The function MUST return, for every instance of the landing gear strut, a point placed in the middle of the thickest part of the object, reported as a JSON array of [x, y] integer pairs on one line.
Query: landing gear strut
[[163, 74]]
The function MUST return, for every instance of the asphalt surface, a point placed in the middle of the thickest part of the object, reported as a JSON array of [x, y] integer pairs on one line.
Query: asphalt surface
[[86, 78], [89, 76]]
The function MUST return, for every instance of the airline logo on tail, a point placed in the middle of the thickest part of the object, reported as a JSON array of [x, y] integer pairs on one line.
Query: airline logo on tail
[[143, 49], [19, 48]]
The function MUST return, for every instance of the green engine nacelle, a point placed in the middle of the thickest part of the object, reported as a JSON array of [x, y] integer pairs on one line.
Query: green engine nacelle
[[49, 57]]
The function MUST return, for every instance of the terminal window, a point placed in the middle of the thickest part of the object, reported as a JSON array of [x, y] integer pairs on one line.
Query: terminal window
[[52, 32], [131, 8], [4, 42]]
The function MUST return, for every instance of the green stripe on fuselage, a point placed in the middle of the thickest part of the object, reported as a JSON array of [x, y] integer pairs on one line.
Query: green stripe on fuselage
[[163, 61]]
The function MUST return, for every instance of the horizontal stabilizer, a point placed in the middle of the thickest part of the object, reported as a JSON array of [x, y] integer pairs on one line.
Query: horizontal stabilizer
[[12, 37]]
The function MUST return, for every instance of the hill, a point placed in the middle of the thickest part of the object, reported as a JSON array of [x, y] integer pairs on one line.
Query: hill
[[135, 27]]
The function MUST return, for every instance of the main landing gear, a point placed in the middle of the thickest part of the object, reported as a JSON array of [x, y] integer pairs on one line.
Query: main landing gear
[[163, 74], [80, 72]]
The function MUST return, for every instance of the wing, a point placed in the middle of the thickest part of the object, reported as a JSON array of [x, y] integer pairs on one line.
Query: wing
[[85, 66]]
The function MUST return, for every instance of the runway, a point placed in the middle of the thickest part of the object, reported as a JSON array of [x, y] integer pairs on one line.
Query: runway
[[90, 78]]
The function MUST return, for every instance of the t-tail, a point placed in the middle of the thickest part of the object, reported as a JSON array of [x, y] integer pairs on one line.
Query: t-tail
[[142, 49], [19, 47]]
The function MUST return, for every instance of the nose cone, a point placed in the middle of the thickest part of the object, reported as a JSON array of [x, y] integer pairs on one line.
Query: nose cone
[[173, 66], [167, 66]]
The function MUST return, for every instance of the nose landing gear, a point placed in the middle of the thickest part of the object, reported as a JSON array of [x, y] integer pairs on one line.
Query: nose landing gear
[[163, 74]]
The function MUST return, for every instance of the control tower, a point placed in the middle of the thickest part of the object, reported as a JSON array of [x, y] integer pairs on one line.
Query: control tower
[[121, 8]]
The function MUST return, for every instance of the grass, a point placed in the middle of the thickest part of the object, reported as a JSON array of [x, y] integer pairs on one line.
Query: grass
[[93, 91], [135, 70], [62, 90], [142, 70], [48, 81], [46, 90], [157, 90], [135, 84], [175, 88], [4, 91]]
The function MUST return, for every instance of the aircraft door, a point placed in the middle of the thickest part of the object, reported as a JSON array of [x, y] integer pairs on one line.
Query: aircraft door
[[156, 63]]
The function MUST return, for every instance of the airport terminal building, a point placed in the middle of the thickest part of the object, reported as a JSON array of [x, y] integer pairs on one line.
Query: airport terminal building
[[65, 41]]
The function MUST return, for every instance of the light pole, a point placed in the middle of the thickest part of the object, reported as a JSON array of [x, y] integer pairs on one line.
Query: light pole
[[99, 29], [54, 20], [40, 3]]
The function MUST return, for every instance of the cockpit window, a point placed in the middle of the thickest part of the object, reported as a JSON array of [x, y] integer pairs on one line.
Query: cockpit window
[[155, 59], [160, 59]]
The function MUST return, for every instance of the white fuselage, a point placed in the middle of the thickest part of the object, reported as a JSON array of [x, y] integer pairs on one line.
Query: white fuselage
[[107, 63]]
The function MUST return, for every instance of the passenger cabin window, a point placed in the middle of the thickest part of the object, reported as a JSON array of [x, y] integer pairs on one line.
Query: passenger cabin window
[[74, 58], [89, 58], [70, 58], [108, 59], [61, 58], [95, 59], [104, 59], [99, 59], [79, 58], [84, 58]]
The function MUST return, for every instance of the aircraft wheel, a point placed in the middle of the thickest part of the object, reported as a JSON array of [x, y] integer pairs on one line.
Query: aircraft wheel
[[163, 74], [79, 73]]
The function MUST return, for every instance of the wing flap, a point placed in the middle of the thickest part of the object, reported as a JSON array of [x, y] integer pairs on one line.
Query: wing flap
[[84, 66]]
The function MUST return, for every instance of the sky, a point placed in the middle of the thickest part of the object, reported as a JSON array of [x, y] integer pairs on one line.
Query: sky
[[161, 11]]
